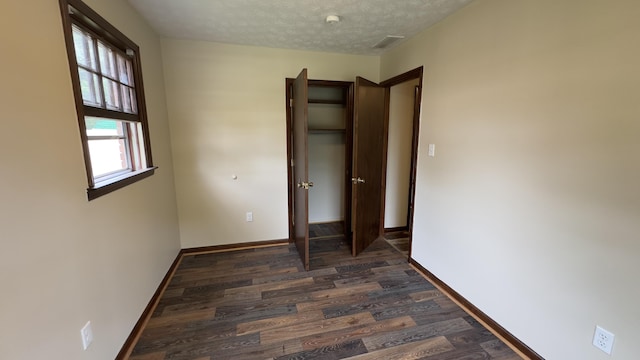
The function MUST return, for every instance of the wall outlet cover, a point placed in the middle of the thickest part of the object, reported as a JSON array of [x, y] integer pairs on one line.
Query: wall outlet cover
[[603, 340]]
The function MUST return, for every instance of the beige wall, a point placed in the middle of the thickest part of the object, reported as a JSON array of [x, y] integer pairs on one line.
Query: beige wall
[[65, 260], [401, 103], [227, 115], [530, 208]]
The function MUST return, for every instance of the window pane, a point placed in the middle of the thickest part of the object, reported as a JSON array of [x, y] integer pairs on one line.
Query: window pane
[[124, 70], [138, 155], [136, 144], [139, 140], [130, 72], [108, 156], [134, 103], [111, 94], [104, 127], [84, 49], [90, 87], [129, 100], [107, 61]]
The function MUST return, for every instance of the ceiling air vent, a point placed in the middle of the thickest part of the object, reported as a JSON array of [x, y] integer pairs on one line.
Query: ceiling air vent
[[388, 40]]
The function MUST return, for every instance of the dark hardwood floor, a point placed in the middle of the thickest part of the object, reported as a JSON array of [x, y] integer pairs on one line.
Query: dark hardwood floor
[[399, 240], [326, 229], [260, 304]]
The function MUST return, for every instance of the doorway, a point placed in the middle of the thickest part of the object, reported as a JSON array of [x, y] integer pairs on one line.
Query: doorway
[[402, 147]]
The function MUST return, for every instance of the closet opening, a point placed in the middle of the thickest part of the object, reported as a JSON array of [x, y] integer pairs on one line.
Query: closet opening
[[329, 134]]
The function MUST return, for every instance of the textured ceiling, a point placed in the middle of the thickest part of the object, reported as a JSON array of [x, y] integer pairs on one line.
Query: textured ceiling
[[296, 24]]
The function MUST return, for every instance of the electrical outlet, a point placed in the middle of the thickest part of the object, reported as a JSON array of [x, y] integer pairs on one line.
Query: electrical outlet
[[603, 340], [87, 335], [249, 216]]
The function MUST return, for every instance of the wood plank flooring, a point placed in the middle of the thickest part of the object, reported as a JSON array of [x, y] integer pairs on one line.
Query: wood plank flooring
[[261, 304], [326, 229], [399, 240]]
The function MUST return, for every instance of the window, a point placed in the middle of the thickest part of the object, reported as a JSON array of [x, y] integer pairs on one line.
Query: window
[[109, 97]]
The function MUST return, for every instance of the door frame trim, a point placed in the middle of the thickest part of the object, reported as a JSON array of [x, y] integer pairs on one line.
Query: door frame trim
[[289, 118], [417, 73]]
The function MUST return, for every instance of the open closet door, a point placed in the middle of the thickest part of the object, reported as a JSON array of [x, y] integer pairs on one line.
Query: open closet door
[[301, 166], [368, 162]]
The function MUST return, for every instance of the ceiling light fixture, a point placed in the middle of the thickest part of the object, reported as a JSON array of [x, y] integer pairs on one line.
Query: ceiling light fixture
[[332, 19]]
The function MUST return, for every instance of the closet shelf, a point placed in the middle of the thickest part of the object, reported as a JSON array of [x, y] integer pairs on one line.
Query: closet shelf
[[326, 101], [326, 131]]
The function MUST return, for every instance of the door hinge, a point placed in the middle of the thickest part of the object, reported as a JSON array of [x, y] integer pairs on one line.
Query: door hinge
[[291, 102], [292, 163]]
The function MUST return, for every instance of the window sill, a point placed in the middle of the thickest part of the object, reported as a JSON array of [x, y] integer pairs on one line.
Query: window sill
[[114, 184]]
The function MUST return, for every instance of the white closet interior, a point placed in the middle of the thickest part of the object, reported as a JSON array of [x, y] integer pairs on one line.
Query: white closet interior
[[327, 116]]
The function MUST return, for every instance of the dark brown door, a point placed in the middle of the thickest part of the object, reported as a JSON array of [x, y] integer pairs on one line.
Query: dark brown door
[[300, 166], [368, 162]]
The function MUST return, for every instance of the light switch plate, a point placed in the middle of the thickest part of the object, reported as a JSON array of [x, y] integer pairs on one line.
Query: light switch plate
[[432, 150]]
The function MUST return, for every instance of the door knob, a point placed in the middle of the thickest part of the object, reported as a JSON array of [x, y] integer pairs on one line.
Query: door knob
[[357, 180], [305, 185]]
